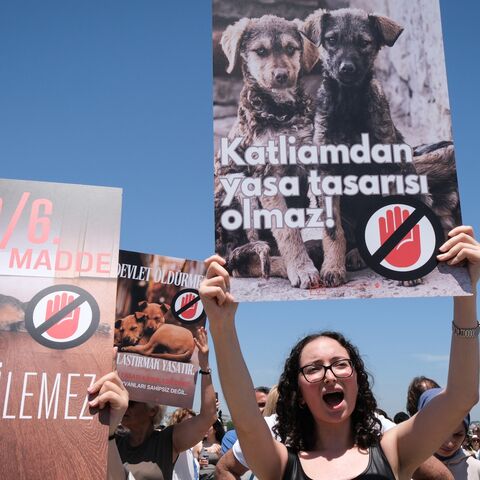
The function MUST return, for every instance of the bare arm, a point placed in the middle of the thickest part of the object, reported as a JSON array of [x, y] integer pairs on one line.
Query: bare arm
[[417, 438], [188, 433], [266, 457], [432, 469], [229, 468]]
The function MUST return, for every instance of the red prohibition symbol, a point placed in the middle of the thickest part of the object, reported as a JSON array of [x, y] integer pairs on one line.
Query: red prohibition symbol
[[62, 316], [187, 307], [400, 238]]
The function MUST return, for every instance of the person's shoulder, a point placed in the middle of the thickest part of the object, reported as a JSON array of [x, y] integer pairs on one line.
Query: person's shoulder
[[230, 434], [228, 440], [121, 436], [459, 457], [271, 420], [166, 432], [473, 462], [385, 422]]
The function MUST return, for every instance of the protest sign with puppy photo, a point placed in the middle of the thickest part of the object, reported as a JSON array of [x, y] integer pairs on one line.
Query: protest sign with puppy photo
[[159, 327], [335, 171]]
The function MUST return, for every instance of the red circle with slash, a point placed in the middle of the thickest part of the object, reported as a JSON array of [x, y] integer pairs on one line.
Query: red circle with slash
[[187, 307], [62, 316], [399, 238]]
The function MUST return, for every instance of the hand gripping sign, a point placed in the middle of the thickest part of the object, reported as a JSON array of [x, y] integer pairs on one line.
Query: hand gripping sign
[[400, 238]]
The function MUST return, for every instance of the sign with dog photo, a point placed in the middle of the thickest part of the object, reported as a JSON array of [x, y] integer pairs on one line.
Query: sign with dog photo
[[159, 314], [322, 111], [58, 259]]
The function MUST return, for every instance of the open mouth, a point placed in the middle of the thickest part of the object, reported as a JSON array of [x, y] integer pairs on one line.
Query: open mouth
[[333, 399]]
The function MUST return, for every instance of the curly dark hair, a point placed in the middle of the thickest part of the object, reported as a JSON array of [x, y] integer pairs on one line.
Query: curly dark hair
[[296, 426]]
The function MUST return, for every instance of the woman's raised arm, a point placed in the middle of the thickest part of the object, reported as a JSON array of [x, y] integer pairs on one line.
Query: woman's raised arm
[[266, 457], [419, 437]]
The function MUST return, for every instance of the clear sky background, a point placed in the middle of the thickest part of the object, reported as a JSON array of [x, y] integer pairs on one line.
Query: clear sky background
[[119, 93]]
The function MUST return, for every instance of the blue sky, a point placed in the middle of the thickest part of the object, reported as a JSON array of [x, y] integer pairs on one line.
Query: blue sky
[[119, 93]]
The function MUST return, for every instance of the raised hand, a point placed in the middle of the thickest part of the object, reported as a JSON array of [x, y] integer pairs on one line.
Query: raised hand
[[215, 294], [201, 341]]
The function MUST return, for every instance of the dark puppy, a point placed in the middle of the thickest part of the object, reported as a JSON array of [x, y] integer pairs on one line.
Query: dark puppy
[[438, 162], [169, 342], [273, 55], [350, 102]]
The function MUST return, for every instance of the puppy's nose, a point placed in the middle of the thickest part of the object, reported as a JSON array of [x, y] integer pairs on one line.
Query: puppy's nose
[[281, 76], [348, 68]]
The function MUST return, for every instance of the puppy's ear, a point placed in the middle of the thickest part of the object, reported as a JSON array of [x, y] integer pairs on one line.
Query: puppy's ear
[[118, 323], [164, 307], [230, 41], [310, 53], [387, 29], [140, 317], [142, 305], [312, 26]]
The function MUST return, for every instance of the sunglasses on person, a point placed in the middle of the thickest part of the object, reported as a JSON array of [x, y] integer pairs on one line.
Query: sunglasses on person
[[315, 372]]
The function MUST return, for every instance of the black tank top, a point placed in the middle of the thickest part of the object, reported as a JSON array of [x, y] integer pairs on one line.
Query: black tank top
[[378, 467]]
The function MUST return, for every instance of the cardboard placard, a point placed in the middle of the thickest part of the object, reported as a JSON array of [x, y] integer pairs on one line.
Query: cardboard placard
[[319, 114], [58, 259], [158, 314]]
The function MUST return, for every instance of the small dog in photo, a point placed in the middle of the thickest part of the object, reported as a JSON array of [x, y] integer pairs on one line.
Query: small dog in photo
[[12, 314], [166, 341], [350, 101], [273, 55], [155, 313], [437, 160]]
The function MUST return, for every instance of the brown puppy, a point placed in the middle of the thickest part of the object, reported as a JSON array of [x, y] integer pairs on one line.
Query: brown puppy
[[155, 313], [274, 56], [169, 342]]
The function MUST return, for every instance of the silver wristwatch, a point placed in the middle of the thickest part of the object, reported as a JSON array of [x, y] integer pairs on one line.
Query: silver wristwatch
[[466, 332]]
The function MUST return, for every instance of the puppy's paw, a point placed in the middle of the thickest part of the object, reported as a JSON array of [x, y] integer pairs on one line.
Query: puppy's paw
[[250, 260], [303, 276], [410, 283], [354, 261], [333, 277]]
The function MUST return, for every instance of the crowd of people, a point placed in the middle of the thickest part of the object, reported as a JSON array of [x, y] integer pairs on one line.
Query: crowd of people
[[320, 422]]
